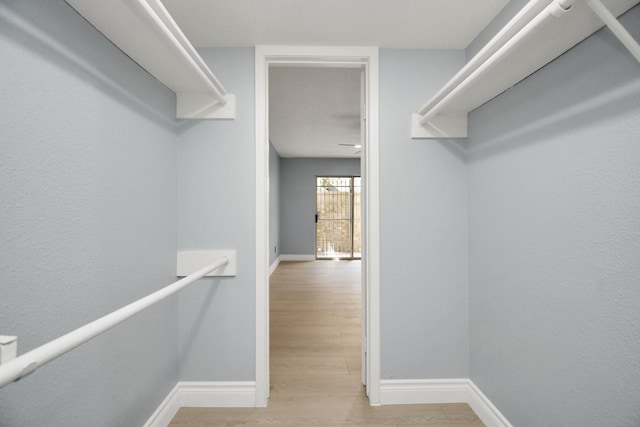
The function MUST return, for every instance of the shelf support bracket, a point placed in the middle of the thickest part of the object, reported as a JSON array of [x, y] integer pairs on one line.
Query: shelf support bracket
[[452, 125], [8, 348], [616, 27], [204, 106], [197, 259]]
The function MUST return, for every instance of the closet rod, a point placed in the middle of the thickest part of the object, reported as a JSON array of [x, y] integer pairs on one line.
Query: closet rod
[[159, 16], [616, 27], [554, 9], [25, 364]]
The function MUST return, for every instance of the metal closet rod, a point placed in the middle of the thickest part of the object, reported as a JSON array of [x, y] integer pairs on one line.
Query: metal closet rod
[[24, 365], [554, 9]]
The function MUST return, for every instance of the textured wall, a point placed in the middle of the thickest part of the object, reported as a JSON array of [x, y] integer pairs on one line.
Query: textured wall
[[216, 194], [274, 204], [298, 199], [87, 219], [554, 196], [423, 226]]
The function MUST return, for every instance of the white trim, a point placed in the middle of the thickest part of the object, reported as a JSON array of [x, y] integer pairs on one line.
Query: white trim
[[405, 392], [319, 56], [262, 226], [297, 257], [242, 394], [229, 394], [226, 394], [484, 409], [458, 390], [371, 224], [274, 265], [168, 409]]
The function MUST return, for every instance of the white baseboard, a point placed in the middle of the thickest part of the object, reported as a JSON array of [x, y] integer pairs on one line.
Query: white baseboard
[[484, 409], [296, 257], [274, 265], [232, 394], [462, 390], [238, 394], [166, 411], [404, 392]]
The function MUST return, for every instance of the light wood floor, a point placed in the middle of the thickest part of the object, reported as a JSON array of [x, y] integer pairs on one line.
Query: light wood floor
[[315, 360]]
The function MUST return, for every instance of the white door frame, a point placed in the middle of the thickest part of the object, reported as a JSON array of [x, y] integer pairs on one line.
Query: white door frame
[[319, 56]]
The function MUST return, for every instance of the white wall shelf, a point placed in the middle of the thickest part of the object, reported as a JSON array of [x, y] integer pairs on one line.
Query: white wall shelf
[[539, 33], [146, 32]]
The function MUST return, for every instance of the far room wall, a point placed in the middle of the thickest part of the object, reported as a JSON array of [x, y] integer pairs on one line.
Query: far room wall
[[297, 199]]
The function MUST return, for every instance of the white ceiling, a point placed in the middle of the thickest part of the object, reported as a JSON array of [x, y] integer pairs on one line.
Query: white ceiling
[[427, 24], [312, 110]]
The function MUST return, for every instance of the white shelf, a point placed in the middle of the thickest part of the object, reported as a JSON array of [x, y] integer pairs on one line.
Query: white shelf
[[553, 33], [146, 32]]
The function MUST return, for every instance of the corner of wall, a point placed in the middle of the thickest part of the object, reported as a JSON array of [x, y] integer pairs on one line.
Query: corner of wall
[[230, 394], [434, 391]]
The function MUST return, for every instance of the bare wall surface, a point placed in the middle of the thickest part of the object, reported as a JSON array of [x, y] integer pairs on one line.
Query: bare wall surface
[[216, 194], [423, 226], [554, 195], [298, 199], [87, 219]]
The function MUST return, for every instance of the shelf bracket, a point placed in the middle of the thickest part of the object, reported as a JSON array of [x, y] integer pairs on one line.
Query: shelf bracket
[[204, 106], [8, 348], [145, 31], [439, 126], [194, 260], [616, 27]]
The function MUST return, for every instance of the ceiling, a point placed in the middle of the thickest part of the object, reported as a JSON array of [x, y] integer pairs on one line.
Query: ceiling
[[425, 24], [314, 110]]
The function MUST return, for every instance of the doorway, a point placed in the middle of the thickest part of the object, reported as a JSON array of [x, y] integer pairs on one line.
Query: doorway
[[365, 58], [338, 217]]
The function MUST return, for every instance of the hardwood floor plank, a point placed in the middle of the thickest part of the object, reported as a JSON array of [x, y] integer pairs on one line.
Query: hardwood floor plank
[[315, 360]]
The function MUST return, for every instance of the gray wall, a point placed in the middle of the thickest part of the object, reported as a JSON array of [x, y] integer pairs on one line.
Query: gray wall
[[87, 219], [544, 289], [298, 199], [423, 226], [554, 195], [274, 204], [216, 188]]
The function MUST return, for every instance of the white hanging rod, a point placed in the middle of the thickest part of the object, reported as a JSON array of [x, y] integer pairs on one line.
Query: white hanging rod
[[157, 14], [616, 27], [32, 360], [508, 40], [554, 9], [145, 31]]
